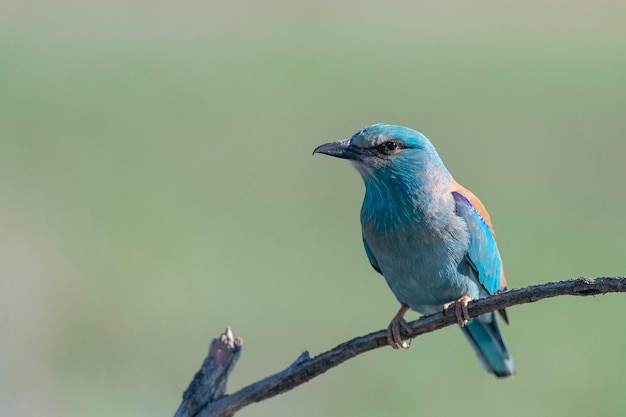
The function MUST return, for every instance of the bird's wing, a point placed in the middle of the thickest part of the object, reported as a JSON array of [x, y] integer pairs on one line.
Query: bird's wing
[[371, 257], [483, 251]]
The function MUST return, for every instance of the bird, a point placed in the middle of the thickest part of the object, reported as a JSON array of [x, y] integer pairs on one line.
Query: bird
[[429, 237]]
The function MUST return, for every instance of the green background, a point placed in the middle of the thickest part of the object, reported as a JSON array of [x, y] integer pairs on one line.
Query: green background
[[157, 185]]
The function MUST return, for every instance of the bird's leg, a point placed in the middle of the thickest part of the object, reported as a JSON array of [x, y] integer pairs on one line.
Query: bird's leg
[[460, 309], [393, 330]]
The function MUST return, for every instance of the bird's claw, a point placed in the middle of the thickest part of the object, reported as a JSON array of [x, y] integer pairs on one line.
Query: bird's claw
[[460, 309], [394, 338]]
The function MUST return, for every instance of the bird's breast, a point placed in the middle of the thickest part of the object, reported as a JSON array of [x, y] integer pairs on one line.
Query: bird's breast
[[421, 257]]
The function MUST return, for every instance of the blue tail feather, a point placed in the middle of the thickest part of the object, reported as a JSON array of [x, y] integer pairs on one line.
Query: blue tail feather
[[484, 336]]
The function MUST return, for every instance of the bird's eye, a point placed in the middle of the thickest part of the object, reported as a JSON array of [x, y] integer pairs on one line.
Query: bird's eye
[[391, 146], [388, 147]]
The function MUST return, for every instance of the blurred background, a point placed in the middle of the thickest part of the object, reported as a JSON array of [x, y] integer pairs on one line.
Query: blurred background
[[158, 185]]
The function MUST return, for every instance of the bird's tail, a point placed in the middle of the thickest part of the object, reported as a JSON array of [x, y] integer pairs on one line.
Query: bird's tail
[[484, 336]]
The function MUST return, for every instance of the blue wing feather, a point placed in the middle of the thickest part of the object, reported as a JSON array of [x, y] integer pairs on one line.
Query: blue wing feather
[[483, 251], [482, 332]]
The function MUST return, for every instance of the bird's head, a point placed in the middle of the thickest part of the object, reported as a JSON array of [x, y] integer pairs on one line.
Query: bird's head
[[382, 150]]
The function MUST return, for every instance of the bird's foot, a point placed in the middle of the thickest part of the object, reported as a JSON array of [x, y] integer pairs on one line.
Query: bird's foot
[[460, 309], [393, 330]]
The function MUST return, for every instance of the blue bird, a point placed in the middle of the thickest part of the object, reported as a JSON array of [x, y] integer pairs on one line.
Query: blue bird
[[430, 238]]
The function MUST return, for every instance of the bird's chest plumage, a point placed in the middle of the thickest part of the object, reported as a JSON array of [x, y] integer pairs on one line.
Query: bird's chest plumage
[[420, 248]]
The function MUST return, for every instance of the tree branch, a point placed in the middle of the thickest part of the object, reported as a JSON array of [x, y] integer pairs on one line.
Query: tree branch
[[209, 383], [211, 402]]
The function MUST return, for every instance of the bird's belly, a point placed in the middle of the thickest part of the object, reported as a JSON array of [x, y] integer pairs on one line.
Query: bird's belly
[[425, 275], [421, 253], [425, 286]]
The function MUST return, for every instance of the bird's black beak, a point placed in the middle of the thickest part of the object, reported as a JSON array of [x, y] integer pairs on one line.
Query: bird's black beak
[[341, 149]]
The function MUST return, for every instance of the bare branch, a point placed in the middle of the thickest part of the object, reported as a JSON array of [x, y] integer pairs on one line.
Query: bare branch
[[306, 368], [209, 383]]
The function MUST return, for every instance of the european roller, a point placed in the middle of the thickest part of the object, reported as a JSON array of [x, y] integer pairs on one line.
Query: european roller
[[430, 238]]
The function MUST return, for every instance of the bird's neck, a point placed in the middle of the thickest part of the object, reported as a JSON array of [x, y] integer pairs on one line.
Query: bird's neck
[[396, 198]]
